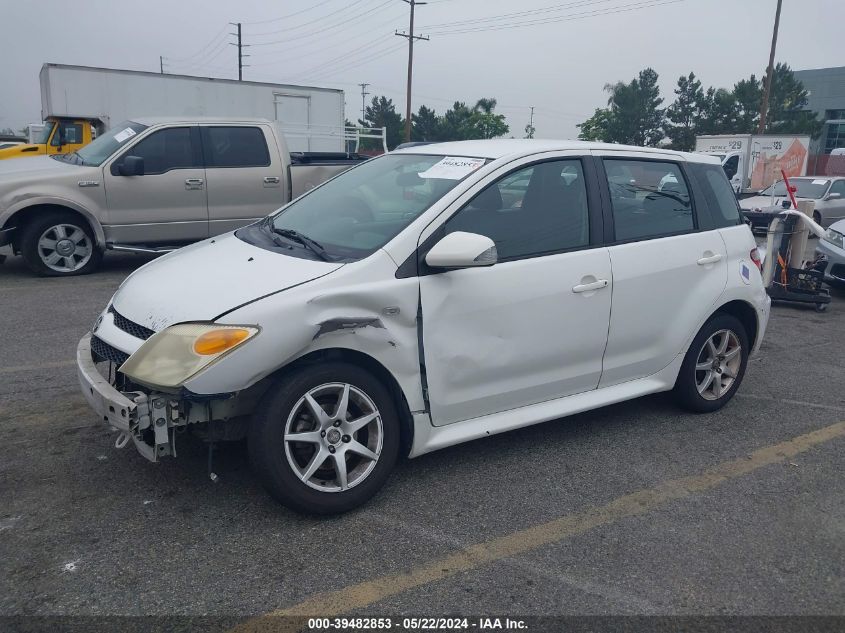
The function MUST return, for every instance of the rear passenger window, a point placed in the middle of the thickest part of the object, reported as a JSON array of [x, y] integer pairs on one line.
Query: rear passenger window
[[533, 211], [722, 197], [649, 199], [235, 147], [165, 150]]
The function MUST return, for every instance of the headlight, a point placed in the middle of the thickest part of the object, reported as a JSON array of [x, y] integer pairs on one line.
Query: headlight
[[175, 354], [834, 237]]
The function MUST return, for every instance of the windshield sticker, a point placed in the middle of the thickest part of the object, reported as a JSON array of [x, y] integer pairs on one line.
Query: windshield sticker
[[124, 134], [452, 168], [820, 182]]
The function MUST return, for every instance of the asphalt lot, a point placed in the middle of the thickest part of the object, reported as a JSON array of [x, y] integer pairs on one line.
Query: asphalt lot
[[632, 509]]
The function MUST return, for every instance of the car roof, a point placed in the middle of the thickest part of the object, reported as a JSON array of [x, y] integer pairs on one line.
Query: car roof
[[517, 147]]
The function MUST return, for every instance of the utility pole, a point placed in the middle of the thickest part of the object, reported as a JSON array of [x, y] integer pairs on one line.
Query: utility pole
[[364, 94], [411, 37], [161, 64], [531, 124], [240, 46], [764, 107]]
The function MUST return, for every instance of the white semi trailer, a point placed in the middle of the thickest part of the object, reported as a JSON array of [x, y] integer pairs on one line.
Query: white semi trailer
[[753, 162], [79, 102]]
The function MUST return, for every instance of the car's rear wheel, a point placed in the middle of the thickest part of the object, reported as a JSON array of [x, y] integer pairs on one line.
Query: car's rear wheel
[[325, 438], [59, 244], [714, 365]]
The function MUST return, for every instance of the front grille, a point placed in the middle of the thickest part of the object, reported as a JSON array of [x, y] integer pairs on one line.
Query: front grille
[[130, 327], [100, 351]]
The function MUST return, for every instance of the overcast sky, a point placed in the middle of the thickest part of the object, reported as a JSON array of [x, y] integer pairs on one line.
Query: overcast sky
[[558, 60]]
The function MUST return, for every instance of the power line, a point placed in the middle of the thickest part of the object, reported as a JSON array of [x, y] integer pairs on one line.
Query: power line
[[299, 26], [308, 55], [341, 23], [202, 50], [345, 68], [290, 15], [341, 58], [567, 18], [510, 16]]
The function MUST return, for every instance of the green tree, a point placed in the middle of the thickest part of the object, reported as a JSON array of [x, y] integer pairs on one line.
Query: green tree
[[747, 95], [457, 123], [597, 127], [684, 113], [718, 112], [633, 115], [382, 113], [486, 123], [788, 113], [425, 125]]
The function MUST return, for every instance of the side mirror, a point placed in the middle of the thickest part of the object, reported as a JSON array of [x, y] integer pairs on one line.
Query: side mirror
[[131, 166], [833, 196], [462, 250]]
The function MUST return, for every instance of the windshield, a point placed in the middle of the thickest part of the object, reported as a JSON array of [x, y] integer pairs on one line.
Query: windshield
[[104, 146], [45, 133], [361, 210], [813, 188]]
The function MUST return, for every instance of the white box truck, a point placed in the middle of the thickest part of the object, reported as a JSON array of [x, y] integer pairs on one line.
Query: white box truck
[[753, 162], [78, 102]]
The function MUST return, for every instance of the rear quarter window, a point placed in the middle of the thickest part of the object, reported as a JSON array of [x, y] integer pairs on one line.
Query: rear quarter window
[[721, 199]]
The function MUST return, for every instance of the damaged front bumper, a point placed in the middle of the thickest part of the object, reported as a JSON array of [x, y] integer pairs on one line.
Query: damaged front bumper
[[147, 419]]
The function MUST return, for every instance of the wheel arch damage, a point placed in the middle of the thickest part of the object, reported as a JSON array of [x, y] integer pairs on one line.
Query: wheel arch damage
[[373, 324]]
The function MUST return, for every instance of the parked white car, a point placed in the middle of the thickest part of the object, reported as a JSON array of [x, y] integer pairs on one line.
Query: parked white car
[[404, 306]]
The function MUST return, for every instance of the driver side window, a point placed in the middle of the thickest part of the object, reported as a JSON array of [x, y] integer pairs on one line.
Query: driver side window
[[165, 150], [537, 210]]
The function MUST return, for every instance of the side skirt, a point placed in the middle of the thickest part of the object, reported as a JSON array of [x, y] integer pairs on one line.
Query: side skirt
[[428, 438]]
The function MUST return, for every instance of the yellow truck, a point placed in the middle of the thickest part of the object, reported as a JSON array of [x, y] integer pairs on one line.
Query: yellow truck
[[61, 135]]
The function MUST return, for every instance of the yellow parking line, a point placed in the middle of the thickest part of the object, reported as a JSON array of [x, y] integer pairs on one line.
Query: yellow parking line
[[363, 594]]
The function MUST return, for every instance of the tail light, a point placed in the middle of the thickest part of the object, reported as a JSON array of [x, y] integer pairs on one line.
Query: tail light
[[755, 257]]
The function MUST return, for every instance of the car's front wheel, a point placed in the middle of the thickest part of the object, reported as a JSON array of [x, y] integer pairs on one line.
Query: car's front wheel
[[714, 365], [59, 244], [325, 438]]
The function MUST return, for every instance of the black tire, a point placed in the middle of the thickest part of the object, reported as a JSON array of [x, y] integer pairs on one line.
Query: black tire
[[35, 257], [817, 218], [686, 391], [267, 445]]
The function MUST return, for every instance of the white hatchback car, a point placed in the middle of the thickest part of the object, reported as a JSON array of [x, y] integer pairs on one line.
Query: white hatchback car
[[431, 296]]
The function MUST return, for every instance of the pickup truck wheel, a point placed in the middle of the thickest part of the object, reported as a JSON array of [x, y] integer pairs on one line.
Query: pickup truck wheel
[[714, 365], [58, 245], [324, 439]]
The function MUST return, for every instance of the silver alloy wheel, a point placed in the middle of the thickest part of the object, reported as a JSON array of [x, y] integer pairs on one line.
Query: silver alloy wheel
[[718, 364], [333, 437], [65, 248]]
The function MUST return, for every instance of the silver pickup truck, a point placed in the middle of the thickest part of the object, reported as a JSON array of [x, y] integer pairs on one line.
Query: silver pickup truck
[[151, 185]]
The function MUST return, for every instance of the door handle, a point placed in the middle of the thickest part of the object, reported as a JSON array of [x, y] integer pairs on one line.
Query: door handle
[[596, 285], [271, 180], [711, 259], [193, 183]]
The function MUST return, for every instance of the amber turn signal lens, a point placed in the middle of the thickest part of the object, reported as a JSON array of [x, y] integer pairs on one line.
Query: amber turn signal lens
[[218, 341]]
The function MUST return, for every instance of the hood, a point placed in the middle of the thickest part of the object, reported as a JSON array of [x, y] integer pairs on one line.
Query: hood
[[838, 226], [761, 202], [202, 281], [34, 167]]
